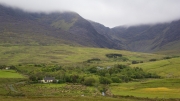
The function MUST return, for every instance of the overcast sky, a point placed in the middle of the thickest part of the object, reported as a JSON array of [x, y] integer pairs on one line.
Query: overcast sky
[[111, 13]]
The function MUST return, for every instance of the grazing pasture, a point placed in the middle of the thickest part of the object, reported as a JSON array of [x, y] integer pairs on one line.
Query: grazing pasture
[[85, 98], [64, 54], [168, 68], [64, 58], [10, 74], [158, 88]]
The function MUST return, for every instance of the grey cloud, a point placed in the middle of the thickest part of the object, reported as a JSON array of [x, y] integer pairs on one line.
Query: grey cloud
[[108, 12]]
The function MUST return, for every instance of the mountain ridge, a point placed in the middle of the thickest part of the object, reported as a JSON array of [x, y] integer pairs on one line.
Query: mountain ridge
[[56, 27], [24, 28], [151, 37]]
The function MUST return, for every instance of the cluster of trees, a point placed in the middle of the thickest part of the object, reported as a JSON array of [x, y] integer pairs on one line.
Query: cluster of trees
[[153, 60], [122, 73], [136, 62], [91, 75], [11, 67], [118, 57], [93, 60], [113, 55]]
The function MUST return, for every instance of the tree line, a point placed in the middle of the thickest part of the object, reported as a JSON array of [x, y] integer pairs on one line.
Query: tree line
[[91, 75]]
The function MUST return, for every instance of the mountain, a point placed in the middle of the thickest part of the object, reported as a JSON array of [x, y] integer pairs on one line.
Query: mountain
[[18, 27], [143, 38], [150, 38], [23, 28]]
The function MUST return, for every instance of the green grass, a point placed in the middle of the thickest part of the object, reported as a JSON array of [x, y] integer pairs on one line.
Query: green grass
[[168, 68], [160, 88], [4, 82], [67, 99], [10, 74], [56, 90], [64, 54], [70, 55]]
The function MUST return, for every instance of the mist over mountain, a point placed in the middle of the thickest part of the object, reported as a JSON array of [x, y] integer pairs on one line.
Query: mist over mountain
[[149, 38], [23, 28]]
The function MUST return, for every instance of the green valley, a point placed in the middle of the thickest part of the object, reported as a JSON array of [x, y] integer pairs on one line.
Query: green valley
[[89, 71], [61, 56]]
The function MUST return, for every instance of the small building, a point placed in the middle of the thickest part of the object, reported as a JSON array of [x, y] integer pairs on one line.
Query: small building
[[48, 80]]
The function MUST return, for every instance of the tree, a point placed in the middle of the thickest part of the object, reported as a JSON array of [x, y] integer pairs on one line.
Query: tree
[[116, 80], [89, 81], [33, 78], [135, 62], [153, 60], [102, 72], [74, 78], [105, 80], [93, 70]]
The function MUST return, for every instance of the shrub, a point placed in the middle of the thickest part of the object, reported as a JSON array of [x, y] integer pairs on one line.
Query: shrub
[[153, 60], [135, 62], [120, 66], [167, 57], [93, 60], [105, 80], [92, 70], [89, 81], [116, 80], [113, 55], [61, 81]]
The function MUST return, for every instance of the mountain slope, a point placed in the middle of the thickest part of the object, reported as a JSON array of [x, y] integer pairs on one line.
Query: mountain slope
[[19, 27], [149, 38], [23, 28], [108, 33], [144, 38]]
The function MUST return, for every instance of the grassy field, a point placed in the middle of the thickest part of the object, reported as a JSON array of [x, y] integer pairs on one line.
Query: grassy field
[[10, 74], [56, 90], [5, 82], [69, 99], [160, 88], [64, 54], [25, 58], [168, 68]]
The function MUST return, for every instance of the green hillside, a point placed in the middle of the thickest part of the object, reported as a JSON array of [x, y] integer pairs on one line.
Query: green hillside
[[160, 88], [40, 60], [84, 59], [63, 54], [168, 68]]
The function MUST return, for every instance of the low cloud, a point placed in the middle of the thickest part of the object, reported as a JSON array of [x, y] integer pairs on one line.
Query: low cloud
[[108, 12]]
